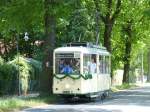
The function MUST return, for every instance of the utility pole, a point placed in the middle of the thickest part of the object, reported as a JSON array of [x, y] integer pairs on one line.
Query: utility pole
[[97, 19], [26, 38], [148, 61], [17, 46], [142, 70]]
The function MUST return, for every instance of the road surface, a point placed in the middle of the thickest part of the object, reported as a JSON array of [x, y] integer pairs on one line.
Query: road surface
[[133, 100]]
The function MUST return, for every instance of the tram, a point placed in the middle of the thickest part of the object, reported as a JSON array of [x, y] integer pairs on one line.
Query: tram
[[81, 70]]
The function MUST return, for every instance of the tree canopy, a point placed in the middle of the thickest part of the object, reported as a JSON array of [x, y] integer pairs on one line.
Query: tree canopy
[[122, 26]]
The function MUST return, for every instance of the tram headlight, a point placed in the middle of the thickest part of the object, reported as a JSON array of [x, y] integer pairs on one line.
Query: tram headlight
[[67, 86]]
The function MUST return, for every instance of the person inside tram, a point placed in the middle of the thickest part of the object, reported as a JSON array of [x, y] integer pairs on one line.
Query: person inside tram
[[67, 69], [61, 65], [76, 66], [92, 66]]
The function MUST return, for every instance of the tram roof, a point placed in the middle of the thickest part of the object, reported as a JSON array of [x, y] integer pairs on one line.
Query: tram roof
[[86, 50]]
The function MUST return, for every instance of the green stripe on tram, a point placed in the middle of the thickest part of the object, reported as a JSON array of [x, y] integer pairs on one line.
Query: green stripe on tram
[[78, 76]]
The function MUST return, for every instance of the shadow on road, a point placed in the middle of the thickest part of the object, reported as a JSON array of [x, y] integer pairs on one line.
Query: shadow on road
[[132, 100], [140, 96], [70, 110]]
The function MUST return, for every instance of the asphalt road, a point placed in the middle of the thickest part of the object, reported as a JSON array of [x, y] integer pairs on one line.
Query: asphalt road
[[133, 100]]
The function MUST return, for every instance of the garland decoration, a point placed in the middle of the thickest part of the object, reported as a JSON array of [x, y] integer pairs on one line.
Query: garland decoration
[[78, 76]]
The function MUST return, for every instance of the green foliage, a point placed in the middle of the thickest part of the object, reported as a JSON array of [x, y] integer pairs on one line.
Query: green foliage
[[25, 70], [75, 21], [77, 24], [7, 74], [147, 12], [1, 60], [29, 70], [22, 9], [131, 11], [38, 53], [80, 26]]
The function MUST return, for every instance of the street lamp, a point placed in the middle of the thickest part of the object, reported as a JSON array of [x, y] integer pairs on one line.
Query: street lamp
[[26, 38]]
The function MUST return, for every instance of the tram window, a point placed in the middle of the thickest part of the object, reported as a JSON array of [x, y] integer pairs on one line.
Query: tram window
[[67, 65], [93, 65], [101, 64], [107, 64], [86, 62], [104, 65], [89, 63]]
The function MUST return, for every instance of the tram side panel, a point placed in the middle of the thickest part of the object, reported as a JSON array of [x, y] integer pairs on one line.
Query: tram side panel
[[103, 82], [89, 85], [108, 81], [85, 86], [93, 83], [100, 82]]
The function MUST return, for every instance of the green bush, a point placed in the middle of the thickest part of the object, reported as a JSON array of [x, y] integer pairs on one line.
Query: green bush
[[25, 70], [7, 73], [28, 69], [34, 78], [1, 60]]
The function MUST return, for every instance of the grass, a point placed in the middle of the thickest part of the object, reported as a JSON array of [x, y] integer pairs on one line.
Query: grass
[[14, 103], [123, 86]]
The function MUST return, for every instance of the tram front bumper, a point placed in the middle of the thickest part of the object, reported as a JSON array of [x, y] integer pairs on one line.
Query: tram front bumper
[[67, 86]]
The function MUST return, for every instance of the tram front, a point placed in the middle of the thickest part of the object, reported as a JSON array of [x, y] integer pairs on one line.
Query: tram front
[[67, 72]]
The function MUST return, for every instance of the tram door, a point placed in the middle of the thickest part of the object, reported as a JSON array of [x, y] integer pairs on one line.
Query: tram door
[[93, 71], [90, 67], [100, 76]]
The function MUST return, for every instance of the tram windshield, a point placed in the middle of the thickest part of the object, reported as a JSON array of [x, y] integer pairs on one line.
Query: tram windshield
[[67, 63]]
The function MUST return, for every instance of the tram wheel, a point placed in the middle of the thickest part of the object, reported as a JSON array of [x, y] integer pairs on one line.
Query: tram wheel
[[106, 94]]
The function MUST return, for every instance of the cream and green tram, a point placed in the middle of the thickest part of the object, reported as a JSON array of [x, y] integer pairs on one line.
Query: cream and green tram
[[87, 73]]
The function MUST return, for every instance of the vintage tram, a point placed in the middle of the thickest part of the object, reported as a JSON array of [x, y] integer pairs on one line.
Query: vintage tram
[[82, 70]]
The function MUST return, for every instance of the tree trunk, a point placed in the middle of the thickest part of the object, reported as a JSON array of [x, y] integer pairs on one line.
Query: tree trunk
[[107, 35], [108, 19], [127, 62], [50, 26], [128, 43]]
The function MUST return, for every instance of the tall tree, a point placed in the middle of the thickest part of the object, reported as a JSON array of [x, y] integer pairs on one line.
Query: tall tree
[[50, 29], [108, 17], [127, 30], [52, 12], [132, 19]]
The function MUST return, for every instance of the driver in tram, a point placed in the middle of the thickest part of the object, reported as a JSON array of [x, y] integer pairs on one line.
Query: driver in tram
[[61, 65], [67, 69]]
